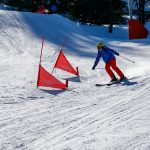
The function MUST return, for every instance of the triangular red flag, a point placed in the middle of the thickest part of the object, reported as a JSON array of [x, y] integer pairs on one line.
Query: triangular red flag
[[47, 80], [63, 63], [137, 30]]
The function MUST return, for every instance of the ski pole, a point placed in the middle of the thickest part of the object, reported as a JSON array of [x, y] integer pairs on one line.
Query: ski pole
[[126, 58]]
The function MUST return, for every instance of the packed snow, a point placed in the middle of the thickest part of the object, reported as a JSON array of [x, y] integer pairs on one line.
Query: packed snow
[[84, 117]]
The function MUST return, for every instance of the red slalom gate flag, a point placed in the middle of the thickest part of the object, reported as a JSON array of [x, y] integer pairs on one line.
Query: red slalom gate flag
[[47, 80], [63, 63], [137, 30]]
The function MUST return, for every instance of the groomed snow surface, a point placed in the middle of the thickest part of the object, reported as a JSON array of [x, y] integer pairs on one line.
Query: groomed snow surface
[[84, 117]]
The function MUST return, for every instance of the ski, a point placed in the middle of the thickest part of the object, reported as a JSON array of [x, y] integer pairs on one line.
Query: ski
[[107, 84], [112, 83]]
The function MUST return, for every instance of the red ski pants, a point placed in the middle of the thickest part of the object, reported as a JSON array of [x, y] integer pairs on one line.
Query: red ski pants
[[112, 64]]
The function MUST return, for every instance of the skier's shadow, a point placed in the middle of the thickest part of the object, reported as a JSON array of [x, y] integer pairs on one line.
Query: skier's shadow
[[52, 92], [128, 83]]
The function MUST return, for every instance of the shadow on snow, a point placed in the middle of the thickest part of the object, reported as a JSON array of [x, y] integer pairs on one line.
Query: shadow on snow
[[52, 91]]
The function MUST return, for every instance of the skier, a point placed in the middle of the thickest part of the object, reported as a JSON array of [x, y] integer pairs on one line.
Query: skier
[[108, 57]]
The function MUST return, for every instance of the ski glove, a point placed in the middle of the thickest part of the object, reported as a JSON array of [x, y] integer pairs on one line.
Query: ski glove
[[93, 68], [117, 54]]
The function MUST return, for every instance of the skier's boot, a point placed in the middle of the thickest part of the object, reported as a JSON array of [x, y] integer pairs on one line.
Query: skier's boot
[[114, 79], [123, 79]]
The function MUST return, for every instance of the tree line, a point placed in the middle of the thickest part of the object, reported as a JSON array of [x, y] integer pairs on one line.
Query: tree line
[[93, 12]]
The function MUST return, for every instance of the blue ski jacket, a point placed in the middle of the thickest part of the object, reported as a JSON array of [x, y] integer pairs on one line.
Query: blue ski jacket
[[107, 54]]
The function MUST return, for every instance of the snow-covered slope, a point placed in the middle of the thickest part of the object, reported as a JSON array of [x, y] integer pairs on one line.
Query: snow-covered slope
[[84, 117]]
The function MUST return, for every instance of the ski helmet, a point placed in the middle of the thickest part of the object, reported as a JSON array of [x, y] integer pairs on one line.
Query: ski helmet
[[100, 45]]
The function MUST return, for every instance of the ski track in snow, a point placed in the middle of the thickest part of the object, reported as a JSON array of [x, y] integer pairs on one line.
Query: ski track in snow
[[84, 117]]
